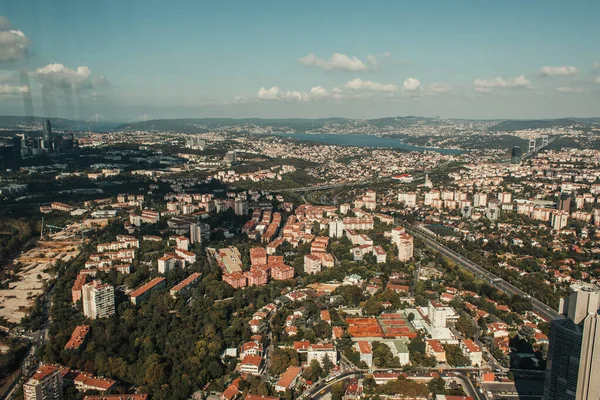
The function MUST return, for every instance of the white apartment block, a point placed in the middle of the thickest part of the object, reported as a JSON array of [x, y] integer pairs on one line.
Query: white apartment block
[[98, 300]]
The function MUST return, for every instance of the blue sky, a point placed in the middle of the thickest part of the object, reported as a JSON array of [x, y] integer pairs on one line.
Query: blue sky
[[364, 59]]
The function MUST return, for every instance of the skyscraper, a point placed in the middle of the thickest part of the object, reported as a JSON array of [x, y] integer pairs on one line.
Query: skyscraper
[[240, 207], [515, 155], [573, 369], [48, 133], [98, 300], [199, 233]]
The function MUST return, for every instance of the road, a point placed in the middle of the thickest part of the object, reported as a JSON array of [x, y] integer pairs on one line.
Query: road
[[323, 389], [540, 308]]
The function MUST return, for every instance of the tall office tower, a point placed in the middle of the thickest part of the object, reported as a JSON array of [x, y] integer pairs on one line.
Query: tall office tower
[[241, 207], [515, 155], [199, 233], [564, 204], [48, 133], [98, 300], [45, 384], [573, 368]]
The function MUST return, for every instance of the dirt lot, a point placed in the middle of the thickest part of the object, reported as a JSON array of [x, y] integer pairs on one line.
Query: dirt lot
[[15, 301]]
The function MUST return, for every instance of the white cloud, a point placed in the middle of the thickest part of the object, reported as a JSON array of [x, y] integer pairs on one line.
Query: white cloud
[[567, 89], [486, 85], [411, 85], [558, 71], [597, 80], [61, 77], [316, 94], [370, 86], [597, 65], [343, 62], [437, 89], [8, 90], [13, 43]]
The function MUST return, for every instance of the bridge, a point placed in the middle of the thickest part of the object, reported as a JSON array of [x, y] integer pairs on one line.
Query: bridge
[[534, 148]]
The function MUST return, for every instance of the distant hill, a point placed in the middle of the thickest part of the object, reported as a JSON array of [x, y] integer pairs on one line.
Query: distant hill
[[516, 125], [32, 123]]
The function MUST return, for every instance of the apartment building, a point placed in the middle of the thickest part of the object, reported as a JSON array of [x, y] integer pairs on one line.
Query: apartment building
[[45, 384], [98, 300]]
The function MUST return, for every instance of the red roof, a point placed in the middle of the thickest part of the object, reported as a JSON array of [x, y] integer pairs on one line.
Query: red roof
[[254, 360], [142, 289], [77, 337], [289, 376], [43, 372], [364, 347]]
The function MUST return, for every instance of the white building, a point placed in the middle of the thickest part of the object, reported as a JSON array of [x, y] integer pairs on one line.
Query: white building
[[199, 233], [409, 199], [472, 351], [366, 352], [320, 351], [560, 219], [439, 314], [336, 228], [406, 246], [98, 300]]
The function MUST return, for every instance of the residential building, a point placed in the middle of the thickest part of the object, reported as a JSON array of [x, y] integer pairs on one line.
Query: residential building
[[199, 233], [142, 293], [435, 349], [366, 352], [98, 300], [439, 314], [312, 264], [288, 379], [185, 285], [336, 228], [252, 365], [45, 384], [472, 351], [77, 337], [241, 207], [282, 272], [320, 351], [405, 244]]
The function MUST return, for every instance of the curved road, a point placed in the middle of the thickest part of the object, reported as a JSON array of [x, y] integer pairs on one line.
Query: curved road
[[539, 307]]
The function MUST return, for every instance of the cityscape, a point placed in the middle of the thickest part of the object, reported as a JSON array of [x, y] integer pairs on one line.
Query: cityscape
[[356, 240]]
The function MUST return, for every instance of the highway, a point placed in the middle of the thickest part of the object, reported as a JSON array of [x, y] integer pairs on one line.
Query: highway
[[540, 308]]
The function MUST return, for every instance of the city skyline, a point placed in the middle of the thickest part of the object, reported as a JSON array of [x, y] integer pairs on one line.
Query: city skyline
[[272, 60]]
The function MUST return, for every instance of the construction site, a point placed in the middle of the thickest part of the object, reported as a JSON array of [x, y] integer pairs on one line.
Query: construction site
[[29, 281]]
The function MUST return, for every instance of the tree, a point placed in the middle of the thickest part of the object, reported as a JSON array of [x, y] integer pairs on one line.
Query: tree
[[410, 317], [338, 390], [327, 364], [466, 326], [313, 372], [437, 385]]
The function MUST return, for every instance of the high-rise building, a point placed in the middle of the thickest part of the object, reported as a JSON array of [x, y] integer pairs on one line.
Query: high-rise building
[[560, 219], [98, 300], [573, 368], [45, 384], [564, 203], [48, 133], [241, 207], [515, 155], [336, 228], [480, 200], [199, 233], [231, 157], [405, 244]]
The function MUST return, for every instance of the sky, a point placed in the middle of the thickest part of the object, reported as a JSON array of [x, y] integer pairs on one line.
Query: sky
[[130, 60]]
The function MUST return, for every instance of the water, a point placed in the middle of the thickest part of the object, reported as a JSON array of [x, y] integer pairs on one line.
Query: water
[[361, 140]]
